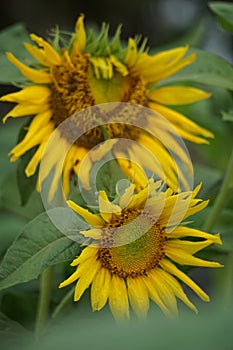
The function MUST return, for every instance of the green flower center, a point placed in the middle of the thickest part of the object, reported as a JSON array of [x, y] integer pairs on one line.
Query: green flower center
[[142, 254]]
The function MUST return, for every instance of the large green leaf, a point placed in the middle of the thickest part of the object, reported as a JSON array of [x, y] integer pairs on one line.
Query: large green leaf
[[39, 245], [11, 39], [12, 333], [207, 69], [224, 11]]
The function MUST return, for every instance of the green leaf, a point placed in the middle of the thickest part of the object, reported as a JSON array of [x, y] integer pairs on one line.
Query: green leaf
[[224, 11], [12, 333], [206, 69], [227, 116], [39, 245], [11, 39]]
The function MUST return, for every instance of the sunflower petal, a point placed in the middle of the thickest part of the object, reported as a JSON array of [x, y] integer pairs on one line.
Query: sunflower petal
[[177, 95], [171, 268], [90, 218], [138, 296], [106, 207], [80, 39], [131, 54], [37, 76], [86, 279], [182, 257], [118, 298], [100, 289]]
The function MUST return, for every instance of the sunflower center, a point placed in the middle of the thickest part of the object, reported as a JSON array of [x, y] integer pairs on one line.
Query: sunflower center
[[142, 253], [75, 87]]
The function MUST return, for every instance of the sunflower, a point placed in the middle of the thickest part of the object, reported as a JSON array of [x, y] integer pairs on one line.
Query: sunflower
[[138, 247], [77, 71]]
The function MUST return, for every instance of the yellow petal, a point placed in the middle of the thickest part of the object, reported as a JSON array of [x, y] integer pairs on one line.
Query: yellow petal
[[131, 54], [177, 289], [25, 144], [171, 268], [120, 67], [24, 110], [177, 95], [85, 280], [37, 53], [87, 253], [37, 76], [82, 270], [52, 57], [174, 68], [138, 296], [153, 294], [180, 120], [187, 246], [165, 292], [144, 157], [35, 160], [133, 171], [93, 233], [100, 289], [90, 218], [118, 298], [32, 94], [80, 39], [106, 207], [127, 196], [183, 231], [182, 257]]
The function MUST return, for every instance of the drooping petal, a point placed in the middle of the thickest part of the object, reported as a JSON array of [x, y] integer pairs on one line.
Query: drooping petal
[[153, 294], [180, 120], [100, 289], [37, 53], [52, 57], [187, 246], [37, 76], [35, 94], [85, 280], [22, 110], [118, 298], [177, 289], [177, 95], [172, 269], [182, 257], [183, 231], [138, 296], [165, 292]]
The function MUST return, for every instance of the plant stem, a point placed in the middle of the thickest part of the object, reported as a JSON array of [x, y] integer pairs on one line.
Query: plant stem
[[222, 197], [67, 298], [44, 300]]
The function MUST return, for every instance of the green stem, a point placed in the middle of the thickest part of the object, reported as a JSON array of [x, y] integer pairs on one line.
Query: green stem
[[67, 298], [44, 300], [222, 197]]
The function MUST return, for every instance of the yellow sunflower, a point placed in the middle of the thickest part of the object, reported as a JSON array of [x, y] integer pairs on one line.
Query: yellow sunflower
[[86, 71], [139, 244]]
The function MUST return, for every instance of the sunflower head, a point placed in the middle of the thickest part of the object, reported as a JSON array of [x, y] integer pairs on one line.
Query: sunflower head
[[79, 70], [139, 245]]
